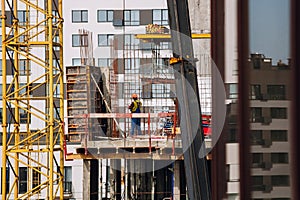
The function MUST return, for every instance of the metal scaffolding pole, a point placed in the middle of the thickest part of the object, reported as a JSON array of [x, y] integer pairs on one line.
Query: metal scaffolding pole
[[37, 146]]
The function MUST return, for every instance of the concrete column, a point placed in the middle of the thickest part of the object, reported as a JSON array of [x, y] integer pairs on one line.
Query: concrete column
[[86, 180]]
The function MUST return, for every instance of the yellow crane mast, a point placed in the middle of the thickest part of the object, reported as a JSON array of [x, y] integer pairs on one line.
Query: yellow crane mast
[[32, 99]]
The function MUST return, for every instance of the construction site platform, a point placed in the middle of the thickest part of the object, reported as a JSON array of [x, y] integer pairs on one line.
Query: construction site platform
[[137, 147]]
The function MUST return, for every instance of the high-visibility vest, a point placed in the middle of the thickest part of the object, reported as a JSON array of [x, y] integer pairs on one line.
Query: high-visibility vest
[[136, 106]]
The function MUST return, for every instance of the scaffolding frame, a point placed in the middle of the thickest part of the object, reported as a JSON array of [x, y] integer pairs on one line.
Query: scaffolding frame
[[38, 39]]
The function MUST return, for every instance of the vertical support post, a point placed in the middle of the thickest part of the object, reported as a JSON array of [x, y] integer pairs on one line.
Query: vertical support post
[[174, 133], [149, 132], [61, 102], [86, 134], [51, 99], [16, 131], [4, 102], [219, 185], [86, 174], [295, 63], [243, 100]]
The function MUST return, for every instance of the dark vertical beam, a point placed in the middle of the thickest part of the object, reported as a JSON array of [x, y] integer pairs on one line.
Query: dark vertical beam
[[192, 136], [218, 180], [243, 99], [182, 181], [116, 164], [295, 62], [94, 179]]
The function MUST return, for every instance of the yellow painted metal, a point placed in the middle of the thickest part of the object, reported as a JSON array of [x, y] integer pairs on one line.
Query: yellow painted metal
[[32, 122], [168, 36], [173, 60]]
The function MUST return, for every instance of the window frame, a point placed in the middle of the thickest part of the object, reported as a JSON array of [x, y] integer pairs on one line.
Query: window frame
[[108, 18], [81, 40], [162, 21], [128, 18], [81, 18], [107, 42], [22, 180]]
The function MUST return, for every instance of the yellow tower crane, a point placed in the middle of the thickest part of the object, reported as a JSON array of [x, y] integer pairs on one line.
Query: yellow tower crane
[[32, 99]]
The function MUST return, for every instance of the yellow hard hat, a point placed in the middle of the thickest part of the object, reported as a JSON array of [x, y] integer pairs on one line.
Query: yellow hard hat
[[134, 95]]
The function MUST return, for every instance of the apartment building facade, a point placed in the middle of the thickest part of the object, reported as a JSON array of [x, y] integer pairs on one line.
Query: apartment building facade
[[269, 128]]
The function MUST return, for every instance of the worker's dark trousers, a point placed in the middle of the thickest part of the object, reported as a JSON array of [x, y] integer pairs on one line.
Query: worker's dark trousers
[[135, 124]]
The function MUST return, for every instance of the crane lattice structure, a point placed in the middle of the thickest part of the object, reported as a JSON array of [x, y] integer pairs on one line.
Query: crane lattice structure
[[32, 98]]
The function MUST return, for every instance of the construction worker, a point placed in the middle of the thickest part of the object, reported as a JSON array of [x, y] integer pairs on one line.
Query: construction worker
[[135, 107]]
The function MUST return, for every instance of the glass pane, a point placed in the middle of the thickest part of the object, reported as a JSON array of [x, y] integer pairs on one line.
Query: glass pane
[[84, 15], [102, 40], [76, 61], [75, 40], [127, 15], [156, 14], [76, 15], [110, 15], [102, 16], [102, 62]]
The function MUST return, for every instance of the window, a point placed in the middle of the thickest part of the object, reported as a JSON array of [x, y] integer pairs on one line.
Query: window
[[131, 17], [105, 15], [79, 16], [279, 135], [23, 180], [105, 62], [276, 92], [0, 66], [256, 137], [256, 63], [132, 65], [67, 179], [257, 183], [280, 180], [165, 45], [22, 16], [26, 90], [233, 91], [255, 92], [256, 115], [1, 94], [279, 158], [105, 39], [130, 40], [232, 135], [257, 158], [23, 69], [279, 113], [76, 61], [160, 17], [7, 179], [79, 40], [24, 116], [36, 178]]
